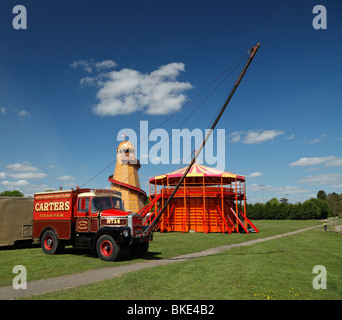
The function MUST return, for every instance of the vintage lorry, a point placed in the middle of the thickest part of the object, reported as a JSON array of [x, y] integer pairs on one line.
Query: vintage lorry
[[87, 218], [16, 219]]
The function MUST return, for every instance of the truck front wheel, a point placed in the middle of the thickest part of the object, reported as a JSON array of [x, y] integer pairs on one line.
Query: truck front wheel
[[107, 249], [50, 242]]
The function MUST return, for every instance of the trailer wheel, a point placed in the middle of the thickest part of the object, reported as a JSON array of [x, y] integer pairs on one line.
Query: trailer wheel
[[107, 249], [50, 242]]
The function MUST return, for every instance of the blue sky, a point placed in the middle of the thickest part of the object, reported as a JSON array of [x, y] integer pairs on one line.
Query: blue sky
[[84, 70]]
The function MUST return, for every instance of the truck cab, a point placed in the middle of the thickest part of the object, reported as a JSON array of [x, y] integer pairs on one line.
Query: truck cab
[[104, 210]]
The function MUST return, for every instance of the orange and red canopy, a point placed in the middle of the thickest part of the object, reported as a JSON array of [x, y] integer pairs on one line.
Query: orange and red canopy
[[197, 174]]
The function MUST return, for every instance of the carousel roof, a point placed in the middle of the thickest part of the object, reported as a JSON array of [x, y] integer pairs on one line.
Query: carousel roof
[[197, 171]]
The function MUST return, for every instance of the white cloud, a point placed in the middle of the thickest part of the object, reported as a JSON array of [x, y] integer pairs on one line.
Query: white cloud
[[85, 65], [25, 186], [65, 178], [24, 170], [278, 190], [24, 114], [259, 136], [336, 185], [69, 184], [3, 110], [236, 136], [291, 190], [23, 166], [323, 179], [330, 161], [126, 91], [254, 136], [27, 175], [106, 64], [87, 81], [89, 66], [334, 163], [15, 184], [255, 175], [22, 173], [316, 140], [290, 137]]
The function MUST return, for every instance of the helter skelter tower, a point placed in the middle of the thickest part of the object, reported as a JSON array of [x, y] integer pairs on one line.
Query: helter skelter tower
[[126, 179]]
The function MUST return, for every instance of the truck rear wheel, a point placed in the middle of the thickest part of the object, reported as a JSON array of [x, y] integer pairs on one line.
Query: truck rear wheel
[[50, 242], [107, 249]]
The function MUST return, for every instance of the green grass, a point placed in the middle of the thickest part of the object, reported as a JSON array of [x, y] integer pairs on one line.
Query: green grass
[[273, 270], [277, 269], [42, 266]]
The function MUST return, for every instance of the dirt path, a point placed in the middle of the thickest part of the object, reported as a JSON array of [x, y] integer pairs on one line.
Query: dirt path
[[74, 280]]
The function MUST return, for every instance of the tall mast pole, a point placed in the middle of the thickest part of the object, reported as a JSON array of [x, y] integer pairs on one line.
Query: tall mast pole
[[252, 51]]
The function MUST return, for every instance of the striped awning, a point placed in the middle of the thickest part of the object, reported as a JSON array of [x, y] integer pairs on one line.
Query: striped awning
[[197, 171]]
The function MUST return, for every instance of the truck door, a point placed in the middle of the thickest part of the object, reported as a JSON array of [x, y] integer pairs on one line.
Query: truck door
[[85, 220], [83, 209], [83, 214]]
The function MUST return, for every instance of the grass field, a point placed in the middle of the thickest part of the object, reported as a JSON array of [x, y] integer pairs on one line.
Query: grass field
[[276, 269]]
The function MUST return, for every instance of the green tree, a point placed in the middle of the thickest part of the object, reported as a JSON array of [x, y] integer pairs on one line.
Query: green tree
[[255, 211], [310, 210], [321, 195], [273, 201], [14, 193], [326, 211], [283, 211], [296, 211], [284, 200], [335, 203], [270, 210]]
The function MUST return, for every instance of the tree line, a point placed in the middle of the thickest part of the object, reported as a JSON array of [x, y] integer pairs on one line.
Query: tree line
[[321, 207], [14, 193]]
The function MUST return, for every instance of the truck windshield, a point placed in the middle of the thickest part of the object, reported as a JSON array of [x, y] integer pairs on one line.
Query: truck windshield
[[102, 203]]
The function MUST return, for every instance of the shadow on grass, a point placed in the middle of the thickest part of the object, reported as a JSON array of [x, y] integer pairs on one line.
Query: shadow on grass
[[124, 255], [86, 252], [19, 246]]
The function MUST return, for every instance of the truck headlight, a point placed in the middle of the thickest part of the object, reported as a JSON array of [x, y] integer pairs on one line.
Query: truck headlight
[[125, 233]]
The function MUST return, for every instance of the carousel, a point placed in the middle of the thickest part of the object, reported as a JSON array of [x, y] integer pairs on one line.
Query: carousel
[[209, 200]]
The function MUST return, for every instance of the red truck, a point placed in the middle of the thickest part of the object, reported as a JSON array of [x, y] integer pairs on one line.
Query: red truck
[[87, 218]]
